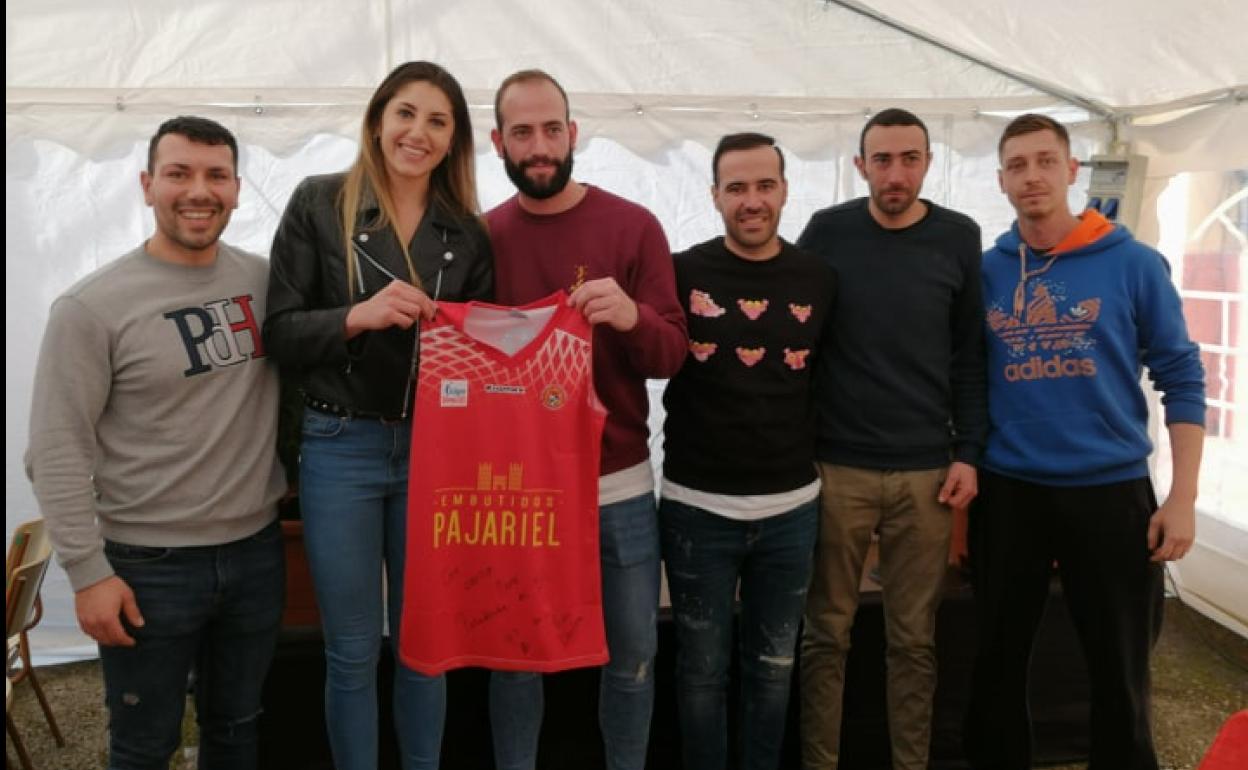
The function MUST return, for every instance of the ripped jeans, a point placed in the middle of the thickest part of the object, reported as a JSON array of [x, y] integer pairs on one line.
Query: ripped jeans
[[214, 610], [706, 555], [629, 543]]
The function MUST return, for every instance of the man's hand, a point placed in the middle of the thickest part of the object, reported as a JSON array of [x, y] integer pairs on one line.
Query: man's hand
[[399, 304], [603, 301], [960, 486], [100, 607], [1171, 530]]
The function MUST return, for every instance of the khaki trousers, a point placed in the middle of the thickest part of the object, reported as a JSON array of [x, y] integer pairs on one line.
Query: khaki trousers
[[914, 545]]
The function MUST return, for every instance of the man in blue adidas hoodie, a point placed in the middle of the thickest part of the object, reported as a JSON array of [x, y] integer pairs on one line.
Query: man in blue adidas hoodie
[[1075, 306]]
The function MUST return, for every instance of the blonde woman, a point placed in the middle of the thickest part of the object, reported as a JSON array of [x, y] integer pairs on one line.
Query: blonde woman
[[358, 260]]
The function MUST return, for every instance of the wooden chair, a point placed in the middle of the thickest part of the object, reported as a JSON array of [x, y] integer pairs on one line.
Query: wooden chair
[[25, 567]]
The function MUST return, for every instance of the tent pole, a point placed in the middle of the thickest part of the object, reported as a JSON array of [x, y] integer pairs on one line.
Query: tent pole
[[1093, 107]]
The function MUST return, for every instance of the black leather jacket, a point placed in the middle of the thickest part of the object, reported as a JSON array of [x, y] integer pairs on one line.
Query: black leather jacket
[[305, 329]]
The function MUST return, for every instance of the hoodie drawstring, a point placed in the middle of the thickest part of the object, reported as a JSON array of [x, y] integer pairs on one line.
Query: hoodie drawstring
[[1020, 291]]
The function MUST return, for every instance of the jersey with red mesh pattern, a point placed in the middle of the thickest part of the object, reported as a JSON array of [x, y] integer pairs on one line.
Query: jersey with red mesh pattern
[[502, 532]]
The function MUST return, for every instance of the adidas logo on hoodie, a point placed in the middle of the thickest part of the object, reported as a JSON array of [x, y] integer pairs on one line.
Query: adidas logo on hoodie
[[1037, 368]]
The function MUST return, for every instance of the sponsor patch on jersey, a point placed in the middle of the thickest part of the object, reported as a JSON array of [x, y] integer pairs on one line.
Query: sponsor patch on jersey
[[454, 393], [509, 390], [554, 397]]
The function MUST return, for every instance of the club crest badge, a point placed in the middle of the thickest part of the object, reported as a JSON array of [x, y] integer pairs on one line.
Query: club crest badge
[[554, 397]]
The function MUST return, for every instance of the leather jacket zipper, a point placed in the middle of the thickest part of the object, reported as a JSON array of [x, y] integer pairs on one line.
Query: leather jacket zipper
[[447, 258]]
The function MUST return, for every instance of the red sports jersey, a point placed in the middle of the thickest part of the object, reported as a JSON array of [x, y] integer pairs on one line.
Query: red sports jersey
[[502, 518]]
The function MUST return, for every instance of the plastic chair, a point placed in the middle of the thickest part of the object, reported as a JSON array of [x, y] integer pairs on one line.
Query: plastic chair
[[25, 567]]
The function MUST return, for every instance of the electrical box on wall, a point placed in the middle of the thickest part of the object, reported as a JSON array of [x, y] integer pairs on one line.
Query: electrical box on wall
[[1117, 187]]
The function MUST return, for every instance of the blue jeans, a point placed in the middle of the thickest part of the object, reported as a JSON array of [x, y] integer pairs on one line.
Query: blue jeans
[[353, 496], [706, 555], [214, 610], [629, 542]]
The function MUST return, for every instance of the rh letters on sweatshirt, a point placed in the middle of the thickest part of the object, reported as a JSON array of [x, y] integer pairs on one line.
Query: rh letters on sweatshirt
[[222, 332]]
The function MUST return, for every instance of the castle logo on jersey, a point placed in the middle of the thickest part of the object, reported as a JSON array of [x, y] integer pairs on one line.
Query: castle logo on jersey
[[222, 333], [497, 511], [1046, 333]]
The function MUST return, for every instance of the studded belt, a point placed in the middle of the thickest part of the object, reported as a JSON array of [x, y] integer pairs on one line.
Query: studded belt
[[346, 413]]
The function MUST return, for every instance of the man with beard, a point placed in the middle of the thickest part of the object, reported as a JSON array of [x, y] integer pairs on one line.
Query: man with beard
[[613, 259], [901, 422], [152, 453]]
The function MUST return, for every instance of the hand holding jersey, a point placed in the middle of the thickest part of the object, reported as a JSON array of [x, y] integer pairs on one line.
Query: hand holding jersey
[[398, 304], [603, 301]]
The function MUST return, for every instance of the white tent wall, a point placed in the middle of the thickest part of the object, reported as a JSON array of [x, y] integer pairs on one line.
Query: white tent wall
[[653, 85]]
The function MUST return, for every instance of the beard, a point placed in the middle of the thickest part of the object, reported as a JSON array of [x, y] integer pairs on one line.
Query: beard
[[539, 189], [895, 206]]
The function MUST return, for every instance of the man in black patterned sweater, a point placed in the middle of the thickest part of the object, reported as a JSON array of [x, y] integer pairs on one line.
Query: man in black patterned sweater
[[739, 483], [902, 419]]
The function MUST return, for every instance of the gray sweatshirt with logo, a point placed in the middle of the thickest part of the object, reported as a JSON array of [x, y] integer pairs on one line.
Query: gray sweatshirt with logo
[[155, 410]]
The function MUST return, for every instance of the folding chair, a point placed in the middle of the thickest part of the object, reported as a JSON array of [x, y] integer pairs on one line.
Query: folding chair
[[25, 567]]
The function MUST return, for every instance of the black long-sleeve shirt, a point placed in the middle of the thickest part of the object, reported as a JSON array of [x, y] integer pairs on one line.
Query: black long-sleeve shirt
[[739, 410], [900, 380]]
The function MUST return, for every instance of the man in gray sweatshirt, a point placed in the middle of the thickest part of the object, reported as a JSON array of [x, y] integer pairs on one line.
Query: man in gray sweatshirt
[[152, 455]]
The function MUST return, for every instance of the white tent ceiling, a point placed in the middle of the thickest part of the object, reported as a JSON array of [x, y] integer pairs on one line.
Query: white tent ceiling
[[1128, 56], [652, 83], [1121, 53], [697, 62]]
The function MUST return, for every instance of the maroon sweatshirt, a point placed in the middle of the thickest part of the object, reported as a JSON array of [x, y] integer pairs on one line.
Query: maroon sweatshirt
[[603, 236]]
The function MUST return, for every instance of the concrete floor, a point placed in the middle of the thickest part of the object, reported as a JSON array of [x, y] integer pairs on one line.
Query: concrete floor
[[1200, 677]]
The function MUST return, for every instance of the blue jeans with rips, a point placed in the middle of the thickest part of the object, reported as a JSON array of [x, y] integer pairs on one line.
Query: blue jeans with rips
[[353, 497], [212, 610], [629, 543], [706, 555]]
